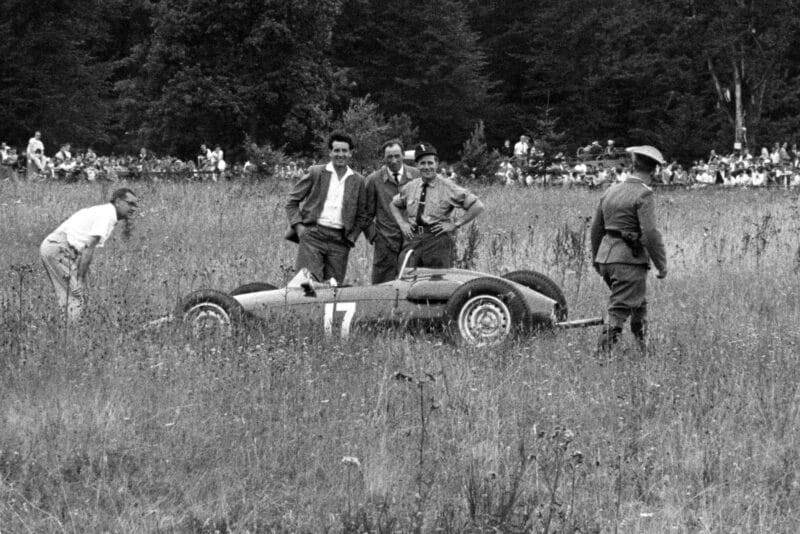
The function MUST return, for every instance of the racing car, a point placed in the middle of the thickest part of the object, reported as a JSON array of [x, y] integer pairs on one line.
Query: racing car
[[475, 308]]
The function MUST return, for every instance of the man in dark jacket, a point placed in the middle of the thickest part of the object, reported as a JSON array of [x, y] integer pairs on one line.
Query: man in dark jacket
[[383, 232], [625, 240], [327, 212]]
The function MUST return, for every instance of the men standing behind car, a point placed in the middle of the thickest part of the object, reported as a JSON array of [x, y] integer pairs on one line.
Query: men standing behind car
[[383, 232], [68, 251], [624, 240], [423, 210], [332, 215]]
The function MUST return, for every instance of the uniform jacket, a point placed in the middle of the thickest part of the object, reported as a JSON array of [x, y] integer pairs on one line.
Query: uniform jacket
[[380, 192], [627, 207], [307, 199]]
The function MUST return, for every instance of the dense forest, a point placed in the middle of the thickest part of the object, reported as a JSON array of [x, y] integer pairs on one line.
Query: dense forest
[[686, 75]]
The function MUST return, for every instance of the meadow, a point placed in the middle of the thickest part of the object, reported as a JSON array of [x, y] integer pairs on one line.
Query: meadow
[[104, 428]]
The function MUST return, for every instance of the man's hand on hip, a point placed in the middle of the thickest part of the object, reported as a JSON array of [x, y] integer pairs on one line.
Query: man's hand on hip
[[443, 227], [407, 229]]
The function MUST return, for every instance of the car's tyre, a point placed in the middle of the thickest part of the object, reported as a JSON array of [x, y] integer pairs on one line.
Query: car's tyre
[[253, 287], [544, 285], [484, 311], [210, 315]]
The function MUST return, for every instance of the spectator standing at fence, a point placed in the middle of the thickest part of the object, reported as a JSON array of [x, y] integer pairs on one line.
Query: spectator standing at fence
[[37, 165], [784, 154], [6, 162], [384, 232], [775, 155], [625, 239], [34, 143], [521, 149], [507, 150], [63, 155], [219, 162], [327, 211], [67, 252], [423, 210]]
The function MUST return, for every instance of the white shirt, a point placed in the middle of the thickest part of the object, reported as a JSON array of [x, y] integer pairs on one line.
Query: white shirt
[[521, 149], [89, 222], [219, 157], [33, 144], [331, 215]]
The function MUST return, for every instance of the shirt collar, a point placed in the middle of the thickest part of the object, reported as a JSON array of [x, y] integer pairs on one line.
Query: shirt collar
[[330, 169], [389, 174], [432, 182]]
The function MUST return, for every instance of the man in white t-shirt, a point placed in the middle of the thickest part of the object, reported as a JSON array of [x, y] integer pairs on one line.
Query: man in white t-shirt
[[68, 251], [521, 149]]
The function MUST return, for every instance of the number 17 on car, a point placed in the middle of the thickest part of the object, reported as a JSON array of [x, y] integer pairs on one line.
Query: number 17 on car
[[347, 309]]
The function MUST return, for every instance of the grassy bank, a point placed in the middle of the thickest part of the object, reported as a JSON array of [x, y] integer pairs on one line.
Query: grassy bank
[[106, 429]]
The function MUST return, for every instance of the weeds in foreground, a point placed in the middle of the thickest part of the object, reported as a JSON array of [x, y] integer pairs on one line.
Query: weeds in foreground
[[110, 430]]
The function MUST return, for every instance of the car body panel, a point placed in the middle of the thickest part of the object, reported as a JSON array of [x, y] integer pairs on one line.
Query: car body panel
[[419, 295]]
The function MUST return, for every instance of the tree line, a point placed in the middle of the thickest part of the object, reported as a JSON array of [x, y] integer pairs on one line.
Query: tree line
[[686, 75]]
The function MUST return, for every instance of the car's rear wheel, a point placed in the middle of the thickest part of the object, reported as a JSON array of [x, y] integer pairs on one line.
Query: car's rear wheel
[[484, 312], [253, 287], [210, 315], [544, 285]]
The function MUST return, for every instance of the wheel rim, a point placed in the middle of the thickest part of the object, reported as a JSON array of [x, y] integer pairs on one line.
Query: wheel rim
[[484, 320], [208, 321]]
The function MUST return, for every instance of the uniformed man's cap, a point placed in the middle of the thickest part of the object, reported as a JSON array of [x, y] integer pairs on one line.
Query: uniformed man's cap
[[647, 151], [424, 149]]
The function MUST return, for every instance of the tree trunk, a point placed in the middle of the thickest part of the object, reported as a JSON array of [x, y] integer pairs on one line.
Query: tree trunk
[[739, 135]]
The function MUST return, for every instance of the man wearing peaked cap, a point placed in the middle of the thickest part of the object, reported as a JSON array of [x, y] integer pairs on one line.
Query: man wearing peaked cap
[[625, 240], [423, 210]]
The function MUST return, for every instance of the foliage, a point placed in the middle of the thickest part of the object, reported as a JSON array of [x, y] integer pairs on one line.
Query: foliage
[[370, 129], [215, 71], [49, 80], [265, 157], [476, 157], [169, 75], [419, 59]]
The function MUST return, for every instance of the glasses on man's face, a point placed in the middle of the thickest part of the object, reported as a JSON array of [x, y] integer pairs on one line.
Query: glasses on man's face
[[131, 203]]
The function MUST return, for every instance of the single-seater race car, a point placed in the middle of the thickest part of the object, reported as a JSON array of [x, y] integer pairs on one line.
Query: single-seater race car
[[477, 309]]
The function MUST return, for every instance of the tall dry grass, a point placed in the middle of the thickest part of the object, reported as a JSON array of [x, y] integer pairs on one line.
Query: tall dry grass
[[103, 428]]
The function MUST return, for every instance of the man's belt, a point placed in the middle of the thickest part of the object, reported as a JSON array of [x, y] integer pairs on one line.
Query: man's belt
[[422, 228], [631, 239]]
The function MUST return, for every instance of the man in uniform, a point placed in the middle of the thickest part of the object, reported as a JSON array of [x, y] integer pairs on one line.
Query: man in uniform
[[423, 210], [68, 251], [332, 215], [382, 186], [624, 240]]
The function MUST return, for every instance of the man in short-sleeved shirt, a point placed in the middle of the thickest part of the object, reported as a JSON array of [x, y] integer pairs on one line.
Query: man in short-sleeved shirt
[[68, 251], [423, 210]]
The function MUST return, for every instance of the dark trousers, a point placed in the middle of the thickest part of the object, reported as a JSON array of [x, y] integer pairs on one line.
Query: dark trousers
[[324, 252], [385, 259], [628, 284], [435, 251]]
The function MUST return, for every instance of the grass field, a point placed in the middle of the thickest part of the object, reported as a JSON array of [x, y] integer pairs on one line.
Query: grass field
[[104, 429]]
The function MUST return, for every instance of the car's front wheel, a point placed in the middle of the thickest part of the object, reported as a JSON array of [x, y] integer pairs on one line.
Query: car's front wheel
[[484, 312], [544, 285], [210, 315]]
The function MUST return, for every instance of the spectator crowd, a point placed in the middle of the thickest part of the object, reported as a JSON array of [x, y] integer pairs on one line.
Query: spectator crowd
[[524, 163], [85, 165], [594, 165]]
